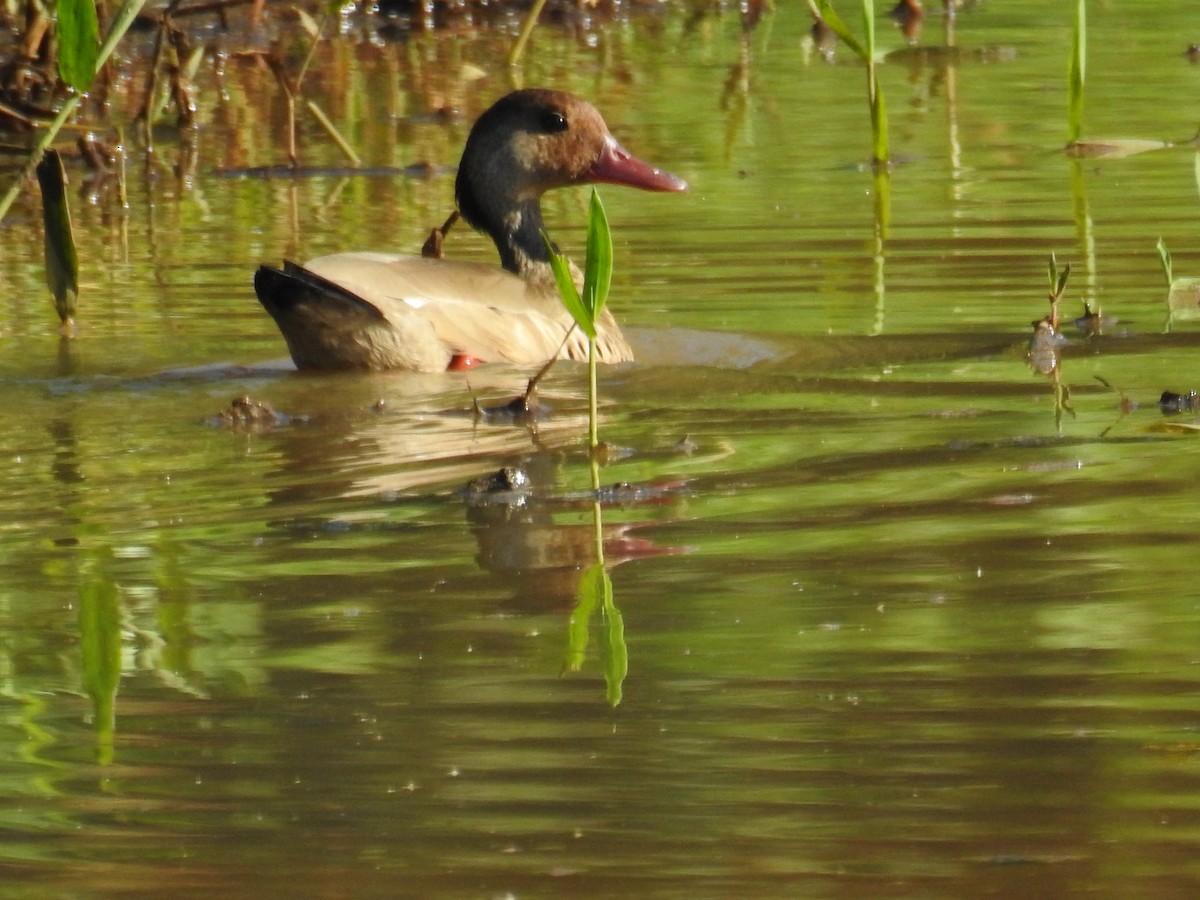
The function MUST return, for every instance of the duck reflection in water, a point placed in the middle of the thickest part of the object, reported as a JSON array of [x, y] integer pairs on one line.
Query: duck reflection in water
[[516, 515]]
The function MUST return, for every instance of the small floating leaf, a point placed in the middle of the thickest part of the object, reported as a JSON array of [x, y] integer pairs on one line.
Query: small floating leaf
[[62, 262], [1115, 148], [1175, 427]]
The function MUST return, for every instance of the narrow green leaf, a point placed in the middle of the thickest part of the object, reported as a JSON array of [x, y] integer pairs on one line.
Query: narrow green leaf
[[62, 261], [567, 290], [838, 27], [1076, 76], [1062, 280], [78, 42], [598, 267], [588, 596]]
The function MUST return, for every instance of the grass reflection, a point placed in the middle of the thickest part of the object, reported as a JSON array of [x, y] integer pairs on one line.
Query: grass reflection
[[595, 592], [100, 645]]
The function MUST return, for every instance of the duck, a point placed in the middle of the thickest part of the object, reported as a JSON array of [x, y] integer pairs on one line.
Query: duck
[[380, 311]]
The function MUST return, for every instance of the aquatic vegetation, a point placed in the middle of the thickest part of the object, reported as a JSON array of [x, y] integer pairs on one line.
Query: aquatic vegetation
[[78, 42], [865, 50], [1046, 341], [121, 23], [595, 587], [1076, 75], [1183, 294], [1109, 148], [585, 307], [595, 595], [61, 257], [80, 56]]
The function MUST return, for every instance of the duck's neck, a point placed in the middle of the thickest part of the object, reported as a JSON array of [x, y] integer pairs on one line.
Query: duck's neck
[[518, 238]]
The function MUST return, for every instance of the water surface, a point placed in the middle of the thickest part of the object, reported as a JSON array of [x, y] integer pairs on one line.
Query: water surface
[[903, 617]]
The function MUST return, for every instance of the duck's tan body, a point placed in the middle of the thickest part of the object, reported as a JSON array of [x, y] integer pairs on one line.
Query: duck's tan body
[[380, 311]]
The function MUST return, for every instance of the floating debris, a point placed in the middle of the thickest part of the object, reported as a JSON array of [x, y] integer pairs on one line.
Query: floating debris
[[1044, 344], [244, 413], [1171, 403], [524, 409], [606, 453], [686, 445], [507, 485], [1093, 322]]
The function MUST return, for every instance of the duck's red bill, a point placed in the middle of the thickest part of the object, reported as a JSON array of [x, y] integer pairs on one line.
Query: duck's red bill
[[616, 165]]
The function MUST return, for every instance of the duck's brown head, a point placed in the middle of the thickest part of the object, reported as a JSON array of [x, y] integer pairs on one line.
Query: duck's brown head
[[527, 143]]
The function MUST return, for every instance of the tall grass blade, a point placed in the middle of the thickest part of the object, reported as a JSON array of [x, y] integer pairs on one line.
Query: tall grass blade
[[1076, 76], [868, 11], [879, 127]]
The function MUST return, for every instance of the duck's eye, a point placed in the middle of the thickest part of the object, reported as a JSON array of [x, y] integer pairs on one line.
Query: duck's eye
[[554, 122]]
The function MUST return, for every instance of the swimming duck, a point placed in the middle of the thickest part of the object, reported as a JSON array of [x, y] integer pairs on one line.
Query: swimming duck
[[379, 311]]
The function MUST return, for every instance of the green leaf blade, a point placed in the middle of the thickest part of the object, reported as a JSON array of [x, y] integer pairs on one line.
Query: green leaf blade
[[78, 42], [838, 27], [567, 291], [597, 276], [61, 257]]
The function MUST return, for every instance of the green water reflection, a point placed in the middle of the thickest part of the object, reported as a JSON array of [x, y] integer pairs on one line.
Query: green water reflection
[[890, 624]]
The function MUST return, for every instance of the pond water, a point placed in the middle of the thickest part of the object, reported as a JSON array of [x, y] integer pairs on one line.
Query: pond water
[[903, 617]]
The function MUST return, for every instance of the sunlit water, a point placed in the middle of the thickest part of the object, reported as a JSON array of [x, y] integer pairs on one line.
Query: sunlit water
[[902, 618]]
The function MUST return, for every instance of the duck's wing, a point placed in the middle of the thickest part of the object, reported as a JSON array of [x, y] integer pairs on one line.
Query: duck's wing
[[472, 309], [329, 325]]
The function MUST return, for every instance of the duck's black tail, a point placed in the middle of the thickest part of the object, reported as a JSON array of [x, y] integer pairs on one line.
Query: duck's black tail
[[321, 321]]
